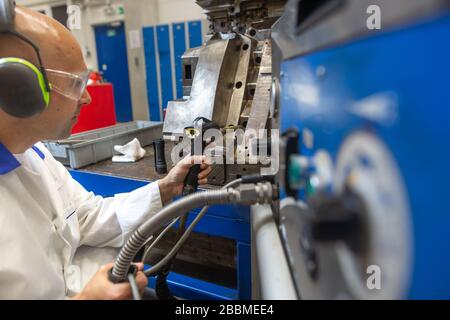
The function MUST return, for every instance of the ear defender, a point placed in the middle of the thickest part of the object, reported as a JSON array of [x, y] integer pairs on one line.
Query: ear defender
[[23, 90]]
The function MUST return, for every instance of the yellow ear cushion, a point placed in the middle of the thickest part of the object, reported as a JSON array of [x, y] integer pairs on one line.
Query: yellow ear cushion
[[40, 76]]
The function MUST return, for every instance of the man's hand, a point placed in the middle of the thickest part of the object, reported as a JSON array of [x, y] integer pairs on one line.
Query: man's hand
[[172, 185], [100, 288]]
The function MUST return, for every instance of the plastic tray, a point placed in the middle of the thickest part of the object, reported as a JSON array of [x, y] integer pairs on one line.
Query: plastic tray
[[90, 147]]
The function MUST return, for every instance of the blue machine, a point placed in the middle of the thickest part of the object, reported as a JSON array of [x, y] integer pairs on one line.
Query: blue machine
[[368, 114]]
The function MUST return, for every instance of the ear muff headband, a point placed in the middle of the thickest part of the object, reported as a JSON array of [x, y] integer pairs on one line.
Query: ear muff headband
[[7, 15], [40, 76]]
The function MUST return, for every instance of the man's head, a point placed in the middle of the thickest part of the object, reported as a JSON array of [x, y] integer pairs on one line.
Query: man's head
[[59, 51]]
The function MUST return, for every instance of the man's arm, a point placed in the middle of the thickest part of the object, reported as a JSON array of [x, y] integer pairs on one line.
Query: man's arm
[[110, 221]]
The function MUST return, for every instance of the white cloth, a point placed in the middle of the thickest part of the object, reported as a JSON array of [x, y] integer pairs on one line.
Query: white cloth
[[53, 233], [131, 152]]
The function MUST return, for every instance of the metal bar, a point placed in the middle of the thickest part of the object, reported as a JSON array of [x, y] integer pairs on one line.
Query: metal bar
[[274, 274]]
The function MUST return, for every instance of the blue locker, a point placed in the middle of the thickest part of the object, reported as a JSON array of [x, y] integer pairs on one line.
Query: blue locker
[[152, 75], [165, 64], [179, 45], [195, 34]]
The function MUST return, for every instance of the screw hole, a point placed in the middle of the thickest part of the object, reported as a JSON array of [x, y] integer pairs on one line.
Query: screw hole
[[253, 32], [258, 60], [239, 85], [245, 47]]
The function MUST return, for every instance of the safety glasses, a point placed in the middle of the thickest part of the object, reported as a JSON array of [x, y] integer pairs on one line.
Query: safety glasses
[[70, 85]]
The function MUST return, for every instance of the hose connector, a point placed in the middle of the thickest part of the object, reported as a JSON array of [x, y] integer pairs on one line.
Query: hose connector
[[261, 193]]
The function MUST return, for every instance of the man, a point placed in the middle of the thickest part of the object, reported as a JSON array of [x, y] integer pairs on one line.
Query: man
[[54, 235]]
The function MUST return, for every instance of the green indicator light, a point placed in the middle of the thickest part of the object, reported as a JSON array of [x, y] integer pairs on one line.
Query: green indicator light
[[295, 173]]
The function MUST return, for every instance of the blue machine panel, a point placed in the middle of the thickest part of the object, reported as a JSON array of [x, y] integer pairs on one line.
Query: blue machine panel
[[165, 63], [152, 75], [195, 34], [179, 46], [409, 68], [244, 271], [194, 289]]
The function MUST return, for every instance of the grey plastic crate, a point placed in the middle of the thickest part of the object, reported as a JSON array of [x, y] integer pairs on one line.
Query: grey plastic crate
[[93, 146]]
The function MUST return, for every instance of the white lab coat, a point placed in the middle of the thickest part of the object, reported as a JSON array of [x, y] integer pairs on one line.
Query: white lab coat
[[54, 234]]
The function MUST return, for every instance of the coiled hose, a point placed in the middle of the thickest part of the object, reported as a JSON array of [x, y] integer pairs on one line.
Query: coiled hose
[[156, 268], [119, 272]]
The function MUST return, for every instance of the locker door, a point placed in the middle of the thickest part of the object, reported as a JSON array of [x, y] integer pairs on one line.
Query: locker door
[[165, 64], [179, 45], [151, 72], [195, 34]]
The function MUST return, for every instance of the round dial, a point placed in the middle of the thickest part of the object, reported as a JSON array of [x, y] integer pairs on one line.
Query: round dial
[[366, 166]]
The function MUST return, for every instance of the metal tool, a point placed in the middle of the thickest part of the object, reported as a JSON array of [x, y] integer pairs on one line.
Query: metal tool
[[191, 182], [160, 156]]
